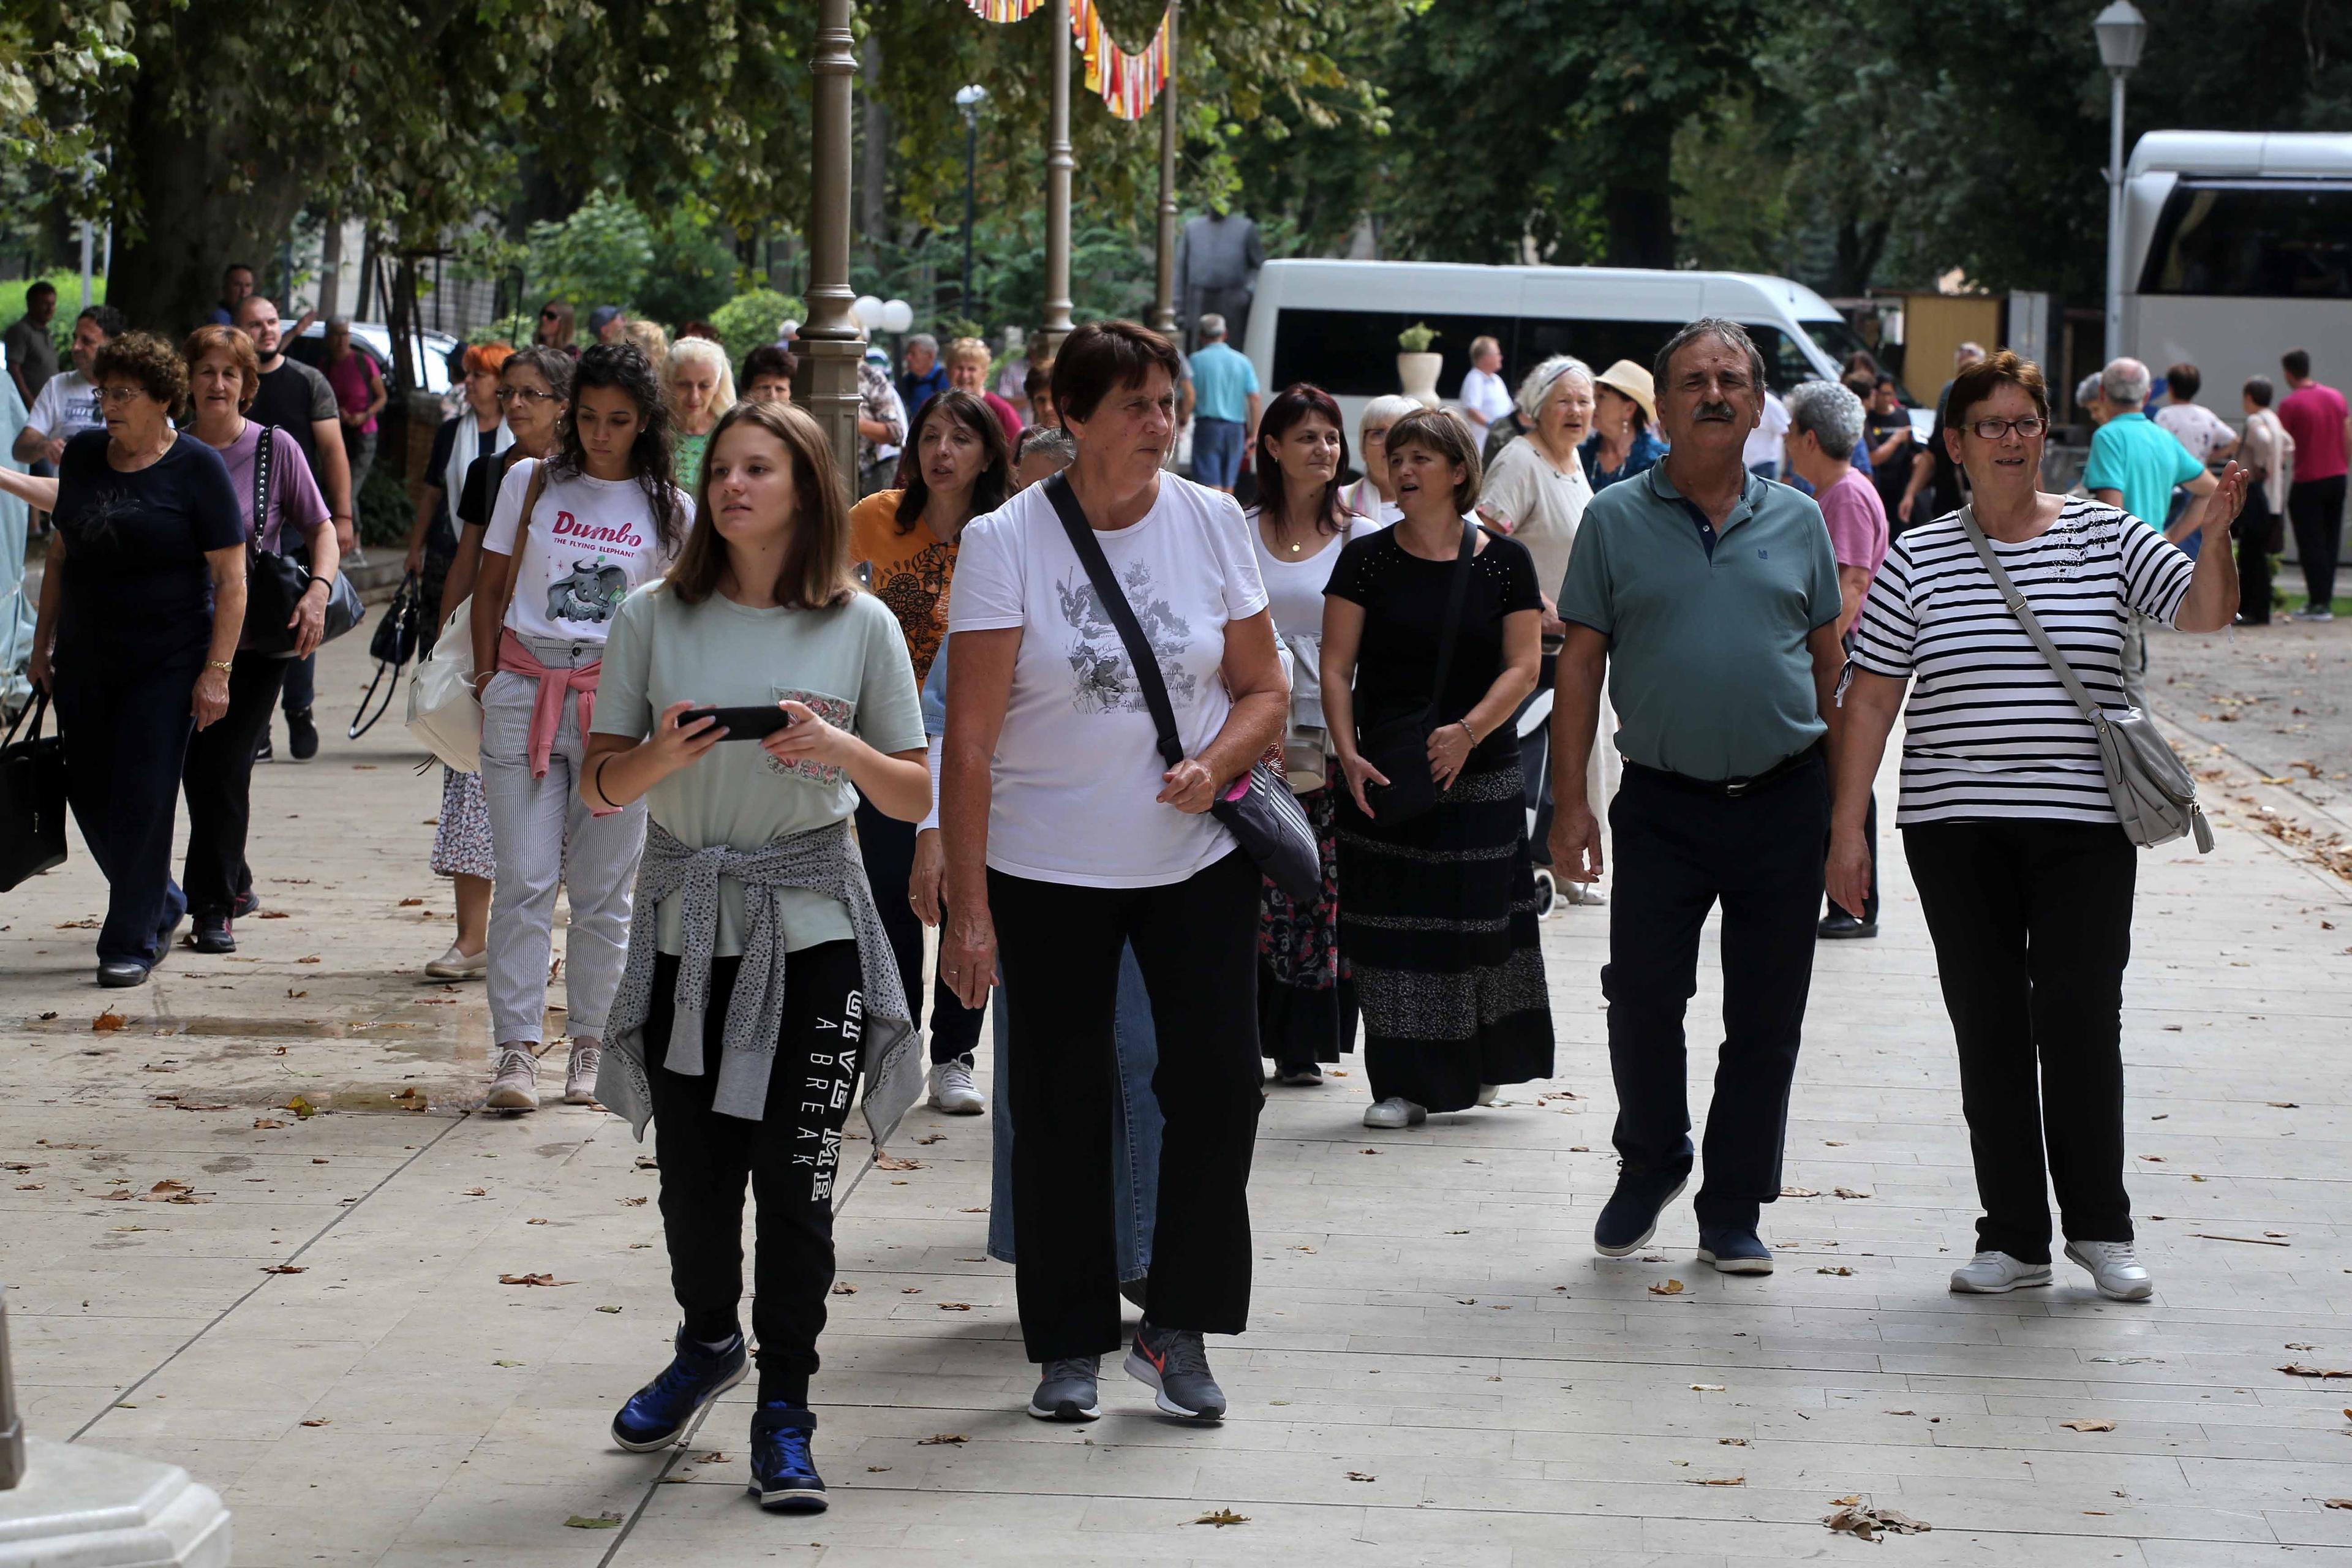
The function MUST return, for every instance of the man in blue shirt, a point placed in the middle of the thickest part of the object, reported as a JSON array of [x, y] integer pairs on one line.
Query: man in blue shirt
[[1224, 407], [925, 377], [1709, 598], [2134, 463]]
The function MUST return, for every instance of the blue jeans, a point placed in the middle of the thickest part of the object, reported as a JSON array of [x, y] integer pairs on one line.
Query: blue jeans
[[1217, 451], [1135, 1136]]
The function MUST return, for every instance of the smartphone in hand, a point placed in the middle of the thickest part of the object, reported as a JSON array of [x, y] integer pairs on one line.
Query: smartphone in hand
[[741, 723]]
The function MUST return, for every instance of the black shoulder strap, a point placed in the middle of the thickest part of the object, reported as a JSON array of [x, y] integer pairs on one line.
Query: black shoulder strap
[[1454, 594], [262, 451], [1122, 615]]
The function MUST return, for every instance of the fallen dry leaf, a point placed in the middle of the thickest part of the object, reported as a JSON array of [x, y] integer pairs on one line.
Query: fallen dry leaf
[[954, 1306], [877, 1469], [892, 1162], [938, 1438], [410, 903], [286, 1268], [2336, 1502], [316, 1420], [2296, 1369], [474, 1193], [1706, 1388], [595, 1521], [632, 1203], [2089, 1424], [534, 1222], [932, 1138], [844, 1288], [1799, 1193], [1841, 1270], [311, 958], [1720, 1481], [1359, 1476], [266, 1124], [1732, 1442], [608, 1309], [1671, 1288], [1222, 1517], [108, 1022], [273, 915], [533, 1279], [1858, 1520], [1849, 1193], [301, 1107]]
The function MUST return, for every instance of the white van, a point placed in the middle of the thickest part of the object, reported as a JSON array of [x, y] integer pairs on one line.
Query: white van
[[1336, 323], [2238, 246]]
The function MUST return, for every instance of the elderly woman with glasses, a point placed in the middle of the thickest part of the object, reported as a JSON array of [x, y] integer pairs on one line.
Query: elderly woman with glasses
[[2024, 875], [1371, 496]]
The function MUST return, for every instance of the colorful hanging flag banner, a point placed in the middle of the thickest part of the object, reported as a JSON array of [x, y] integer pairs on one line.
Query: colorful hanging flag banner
[[1129, 84]]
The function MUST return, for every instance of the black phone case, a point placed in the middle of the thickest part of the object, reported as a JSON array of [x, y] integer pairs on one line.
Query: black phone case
[[741, 723]]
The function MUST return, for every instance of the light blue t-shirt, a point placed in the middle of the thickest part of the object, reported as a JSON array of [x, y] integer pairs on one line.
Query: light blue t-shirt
[[2140, 460], [1223, 380]]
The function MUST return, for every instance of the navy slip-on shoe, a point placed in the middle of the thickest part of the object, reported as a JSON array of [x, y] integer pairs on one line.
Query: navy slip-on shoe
[[1631, 1216], [1734, 1250]]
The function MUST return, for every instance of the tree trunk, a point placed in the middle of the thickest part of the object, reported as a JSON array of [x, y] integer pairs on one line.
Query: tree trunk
[[331, 267], [168, 275], [1637, 203], [1860, 243]]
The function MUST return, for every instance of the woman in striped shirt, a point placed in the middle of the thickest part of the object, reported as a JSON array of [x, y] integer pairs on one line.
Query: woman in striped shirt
[[2024, 875]]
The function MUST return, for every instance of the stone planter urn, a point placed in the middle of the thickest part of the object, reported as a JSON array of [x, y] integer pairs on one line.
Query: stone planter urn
[[1418, 375]]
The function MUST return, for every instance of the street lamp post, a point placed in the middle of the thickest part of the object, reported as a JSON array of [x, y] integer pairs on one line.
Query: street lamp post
[[828, 343], [1059, 165], [2121, 31], [1164, 312], [968, 100]]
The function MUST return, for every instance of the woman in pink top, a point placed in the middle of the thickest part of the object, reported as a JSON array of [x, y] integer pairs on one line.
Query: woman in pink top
[[359, 395]]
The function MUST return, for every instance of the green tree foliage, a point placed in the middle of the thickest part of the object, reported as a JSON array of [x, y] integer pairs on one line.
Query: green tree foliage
[[748, 319]]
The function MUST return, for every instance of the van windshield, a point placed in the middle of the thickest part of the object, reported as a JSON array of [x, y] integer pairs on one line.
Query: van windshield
[[2276, 239]]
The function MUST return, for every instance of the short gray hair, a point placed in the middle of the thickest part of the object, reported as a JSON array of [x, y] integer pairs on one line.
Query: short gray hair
[[1384, 410], [924, 341], [1731, 333], [1536, 387], [1052, 441], [1830, 411], [2124, 383], [1212, 326]]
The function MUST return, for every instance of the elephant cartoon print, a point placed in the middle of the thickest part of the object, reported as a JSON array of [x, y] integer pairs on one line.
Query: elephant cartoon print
[[593, 591]]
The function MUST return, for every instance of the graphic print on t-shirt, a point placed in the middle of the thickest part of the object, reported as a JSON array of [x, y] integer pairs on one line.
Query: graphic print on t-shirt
[[592, 593], [914, 588], [1104, 681], [835, 710]]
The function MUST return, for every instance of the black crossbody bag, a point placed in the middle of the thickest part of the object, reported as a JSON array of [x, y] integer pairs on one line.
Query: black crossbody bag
[[274, 583], [1265, 818], [1399, 747]]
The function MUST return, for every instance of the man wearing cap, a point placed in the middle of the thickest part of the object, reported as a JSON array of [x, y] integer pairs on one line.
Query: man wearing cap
[[605, 323], [1625, 411], [1709, 599]]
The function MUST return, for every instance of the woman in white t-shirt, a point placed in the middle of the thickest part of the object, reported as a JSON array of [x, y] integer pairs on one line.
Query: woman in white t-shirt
[[2024, 876], [746, 1019], [1067, 835], [1306, 1001], [1370, 495], [569, 537]]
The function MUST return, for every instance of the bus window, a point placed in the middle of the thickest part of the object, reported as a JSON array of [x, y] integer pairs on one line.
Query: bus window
[[1354, 354], [1598, 343], [2277, 240]]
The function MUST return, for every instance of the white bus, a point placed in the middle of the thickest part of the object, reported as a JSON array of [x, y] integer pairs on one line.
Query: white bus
[[1336, 323], [2238, 246]]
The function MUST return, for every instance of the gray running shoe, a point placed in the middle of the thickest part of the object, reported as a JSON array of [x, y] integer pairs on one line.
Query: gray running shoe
[[1176, 1365], [1066, 1391]]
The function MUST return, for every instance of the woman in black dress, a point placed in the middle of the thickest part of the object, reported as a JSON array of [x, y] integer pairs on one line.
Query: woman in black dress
[[1439, 924]]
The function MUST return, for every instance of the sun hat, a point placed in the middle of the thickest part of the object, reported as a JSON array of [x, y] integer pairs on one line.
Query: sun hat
[[1632, 381]]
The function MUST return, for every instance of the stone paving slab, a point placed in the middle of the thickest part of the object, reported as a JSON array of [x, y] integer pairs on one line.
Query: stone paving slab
[[1427, 1315]]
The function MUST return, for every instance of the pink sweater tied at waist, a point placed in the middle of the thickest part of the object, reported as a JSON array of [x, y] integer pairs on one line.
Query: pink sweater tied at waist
[[547, 710]]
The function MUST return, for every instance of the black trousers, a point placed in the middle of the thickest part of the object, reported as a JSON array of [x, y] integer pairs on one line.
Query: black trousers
[[217, 780], [1679, 852], [1196, 942], [2031, 922], [791, 1158], [887, 846], [2255, 530], [126, 733], [2316, 508]]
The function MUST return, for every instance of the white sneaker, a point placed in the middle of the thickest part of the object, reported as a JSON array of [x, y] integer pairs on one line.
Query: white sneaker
[[580, 1074], [1997, 1274], [952, 1089], [1584, 894], [1489, 1093], [1395, 1112], [515, 1084], [2114, 1268], [456, 966]]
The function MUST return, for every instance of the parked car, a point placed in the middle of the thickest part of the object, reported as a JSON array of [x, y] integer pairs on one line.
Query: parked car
[[430, 352]]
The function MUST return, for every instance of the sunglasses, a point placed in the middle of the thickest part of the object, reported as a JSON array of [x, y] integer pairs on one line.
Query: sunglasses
[[549, 314]]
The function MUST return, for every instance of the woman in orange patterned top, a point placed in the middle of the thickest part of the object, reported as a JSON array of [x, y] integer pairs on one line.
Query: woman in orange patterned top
[[957, 467]]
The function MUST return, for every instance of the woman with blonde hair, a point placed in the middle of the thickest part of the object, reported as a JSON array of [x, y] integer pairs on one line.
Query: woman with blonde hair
[[702, 387], [967, 372], [744, 1019]]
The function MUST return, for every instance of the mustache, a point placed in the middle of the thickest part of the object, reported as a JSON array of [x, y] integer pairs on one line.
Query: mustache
[[1721, 411]]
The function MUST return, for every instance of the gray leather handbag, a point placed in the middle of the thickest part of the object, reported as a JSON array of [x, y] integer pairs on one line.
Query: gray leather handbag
[[2155, 798]]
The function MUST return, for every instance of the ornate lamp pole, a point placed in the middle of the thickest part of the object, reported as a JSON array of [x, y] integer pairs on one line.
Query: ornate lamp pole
[[1059, 165], [828, 343], [1164, 312], [2121, 30]]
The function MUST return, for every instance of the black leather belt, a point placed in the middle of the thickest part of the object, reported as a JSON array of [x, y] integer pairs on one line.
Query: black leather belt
[[1728, 789]]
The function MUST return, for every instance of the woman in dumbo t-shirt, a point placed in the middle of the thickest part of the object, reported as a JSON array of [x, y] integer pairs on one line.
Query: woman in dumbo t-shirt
[[568, 539]]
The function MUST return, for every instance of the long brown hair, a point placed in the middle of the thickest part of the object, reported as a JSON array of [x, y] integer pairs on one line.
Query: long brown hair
[[815, 570], [996, 479], [1295, 405]]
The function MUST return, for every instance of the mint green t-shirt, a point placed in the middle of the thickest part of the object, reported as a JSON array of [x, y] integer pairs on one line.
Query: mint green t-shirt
[[848, 663]]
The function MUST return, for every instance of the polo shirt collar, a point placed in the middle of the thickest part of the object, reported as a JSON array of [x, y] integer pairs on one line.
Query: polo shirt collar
[[1751, 495]]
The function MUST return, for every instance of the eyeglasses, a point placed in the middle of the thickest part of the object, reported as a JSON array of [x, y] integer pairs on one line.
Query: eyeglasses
[[117, 395], [526, 395], [2026, 428]]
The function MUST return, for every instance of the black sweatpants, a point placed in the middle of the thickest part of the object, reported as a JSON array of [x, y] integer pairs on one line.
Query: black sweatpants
[[2031, 922], [2255, 532], [217, 780], [2316, 508], [1680, 851], [1196, 942], [126, 735], [887, 846], [792, 1157]]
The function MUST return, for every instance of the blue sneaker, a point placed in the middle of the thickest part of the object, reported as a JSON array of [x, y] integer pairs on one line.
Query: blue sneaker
[[783, 1471], [658, 1412], [1630, 1215], [1734, 1250]]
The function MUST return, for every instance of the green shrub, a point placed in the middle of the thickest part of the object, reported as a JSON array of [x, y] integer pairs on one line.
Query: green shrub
[[385, 511], [747, 321]]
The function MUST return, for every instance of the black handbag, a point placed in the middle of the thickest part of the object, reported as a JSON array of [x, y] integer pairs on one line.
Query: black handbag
[[1265, 818], [32, 799], [391, 646], [1398, 748], [274, 583]]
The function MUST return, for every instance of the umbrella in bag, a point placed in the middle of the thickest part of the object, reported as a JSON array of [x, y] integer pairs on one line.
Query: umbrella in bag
[[31, 798], [393, 644]]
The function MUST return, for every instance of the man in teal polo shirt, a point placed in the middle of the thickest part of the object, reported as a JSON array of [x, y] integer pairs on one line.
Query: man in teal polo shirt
[[2134, 464], [1709, 598]]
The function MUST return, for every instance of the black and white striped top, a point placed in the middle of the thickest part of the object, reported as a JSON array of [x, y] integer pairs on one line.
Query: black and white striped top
[[1990, 732]]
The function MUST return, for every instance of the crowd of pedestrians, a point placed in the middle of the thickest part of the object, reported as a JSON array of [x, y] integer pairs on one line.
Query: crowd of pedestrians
[[1014, 682]]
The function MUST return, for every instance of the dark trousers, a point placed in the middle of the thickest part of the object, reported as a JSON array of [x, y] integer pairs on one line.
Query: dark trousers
[[1196, 942], [302, 677], [2256, 530], [218, 782], [1679, 852], [791, 1158], [2031, 922], [1868, 913], [2316, 508], [887, 847], [1535, 763], [126, 735]]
